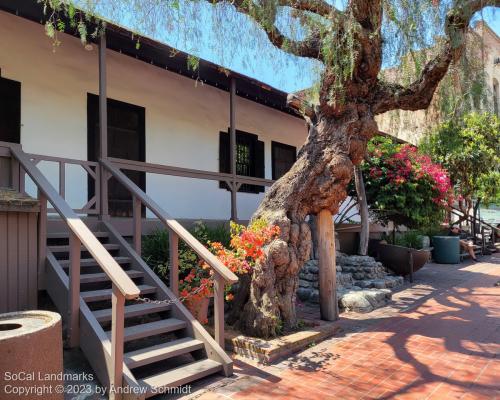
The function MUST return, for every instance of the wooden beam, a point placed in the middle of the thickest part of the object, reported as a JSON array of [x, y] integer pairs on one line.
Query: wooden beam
[[327, 267], [137, 223], [103, 126], [232, 147]]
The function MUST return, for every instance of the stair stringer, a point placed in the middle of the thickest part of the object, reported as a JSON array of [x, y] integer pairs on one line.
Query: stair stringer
[[194, 328], [94, 342]]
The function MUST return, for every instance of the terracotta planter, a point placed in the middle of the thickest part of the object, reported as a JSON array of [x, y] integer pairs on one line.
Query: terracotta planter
[[403, 260], [199, 308]]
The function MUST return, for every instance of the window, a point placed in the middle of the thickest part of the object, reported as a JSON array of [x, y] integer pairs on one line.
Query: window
[[283, 157], [10, 111], [249, 158]]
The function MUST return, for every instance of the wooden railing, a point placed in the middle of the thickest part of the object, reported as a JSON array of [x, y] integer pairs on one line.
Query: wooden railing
[[222, 274], [79, 235], [92, 206], [188, 172]]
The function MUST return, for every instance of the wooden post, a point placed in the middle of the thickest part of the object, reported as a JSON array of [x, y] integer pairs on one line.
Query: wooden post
[[117, 336], [137, 224], [74, 290], [62, 179], [410, 265], [327, 267], [173, 242], [15, 174], [219, 309], [103, 127], [364, 235], [232, 147], [42, 238]]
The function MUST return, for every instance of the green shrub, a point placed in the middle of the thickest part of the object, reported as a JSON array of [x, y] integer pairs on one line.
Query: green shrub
[[411, 239], [155, 248]]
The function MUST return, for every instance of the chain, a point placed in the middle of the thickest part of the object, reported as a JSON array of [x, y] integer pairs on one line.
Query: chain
[[168, 302]]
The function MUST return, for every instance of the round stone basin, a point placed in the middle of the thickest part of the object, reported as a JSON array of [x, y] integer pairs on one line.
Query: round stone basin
[[31, 349]]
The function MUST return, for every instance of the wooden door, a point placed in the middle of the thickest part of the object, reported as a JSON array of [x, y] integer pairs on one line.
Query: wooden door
[[126, 139]]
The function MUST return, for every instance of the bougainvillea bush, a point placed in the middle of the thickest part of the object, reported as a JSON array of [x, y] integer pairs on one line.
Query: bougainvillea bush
[[238, 249], [403, 185], [244, 250]]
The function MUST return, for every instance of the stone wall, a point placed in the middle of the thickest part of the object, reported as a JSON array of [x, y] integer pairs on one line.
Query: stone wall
[[363, 283]]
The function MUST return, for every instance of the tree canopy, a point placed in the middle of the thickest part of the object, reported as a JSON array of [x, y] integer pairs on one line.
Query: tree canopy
[[469, 148]]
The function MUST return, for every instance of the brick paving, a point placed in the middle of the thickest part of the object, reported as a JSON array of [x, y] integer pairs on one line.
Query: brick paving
[[438, 339]]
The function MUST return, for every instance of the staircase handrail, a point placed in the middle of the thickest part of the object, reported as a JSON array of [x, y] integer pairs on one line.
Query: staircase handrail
[[173, 224]]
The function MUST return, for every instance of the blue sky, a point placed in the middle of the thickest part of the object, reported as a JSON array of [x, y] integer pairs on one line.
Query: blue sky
[[195, 28]]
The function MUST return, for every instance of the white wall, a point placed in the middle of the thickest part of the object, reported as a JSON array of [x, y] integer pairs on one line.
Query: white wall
[[182, 120]]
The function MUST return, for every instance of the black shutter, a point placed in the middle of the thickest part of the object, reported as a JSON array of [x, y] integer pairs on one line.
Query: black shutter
[[259, 164], [10, 111], [283, 156], [224, 157]]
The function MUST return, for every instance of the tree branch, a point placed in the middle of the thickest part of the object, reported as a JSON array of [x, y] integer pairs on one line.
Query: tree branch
[[418, 95], [319, 7], [309, 47], [367, 12]]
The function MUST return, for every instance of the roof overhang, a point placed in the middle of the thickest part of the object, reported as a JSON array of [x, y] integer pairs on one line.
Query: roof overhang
[[163, 56]]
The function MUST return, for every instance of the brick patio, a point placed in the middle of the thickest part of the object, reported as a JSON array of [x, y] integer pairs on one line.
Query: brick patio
[[439, 339]]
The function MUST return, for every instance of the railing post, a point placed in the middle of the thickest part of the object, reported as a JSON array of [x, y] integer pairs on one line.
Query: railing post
[[173, 243], [117, 328], [137, 224], [62, 179], [74, 290], [219, 309], [42, 238], [15, 174]]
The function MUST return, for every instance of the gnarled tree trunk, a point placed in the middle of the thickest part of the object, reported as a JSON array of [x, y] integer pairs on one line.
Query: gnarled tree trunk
[[316, 181]]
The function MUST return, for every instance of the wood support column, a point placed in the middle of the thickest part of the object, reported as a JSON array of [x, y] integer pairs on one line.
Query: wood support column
[[232, 148], [103, 127], [364, 235], [327, 267]]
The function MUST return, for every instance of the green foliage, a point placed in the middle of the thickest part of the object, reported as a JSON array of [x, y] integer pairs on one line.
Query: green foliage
[[411, 239], [403, 185], [469, 148], [155, 248]]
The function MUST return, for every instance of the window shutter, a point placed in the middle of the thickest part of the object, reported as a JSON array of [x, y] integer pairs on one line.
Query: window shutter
[[10, 111], [283, 157], [259, 164], [224, 157]]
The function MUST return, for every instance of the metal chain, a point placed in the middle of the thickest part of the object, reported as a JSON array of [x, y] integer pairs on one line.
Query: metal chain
[[169, 301]]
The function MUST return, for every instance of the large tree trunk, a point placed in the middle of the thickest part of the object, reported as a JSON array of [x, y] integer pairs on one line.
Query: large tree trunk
[[364, 235], [316, 181]]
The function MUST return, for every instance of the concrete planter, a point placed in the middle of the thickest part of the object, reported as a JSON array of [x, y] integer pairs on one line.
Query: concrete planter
[[31, 349]]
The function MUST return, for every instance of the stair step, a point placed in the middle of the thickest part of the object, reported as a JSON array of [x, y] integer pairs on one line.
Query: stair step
[[90, 262], [105, 294], [102, 277], [65, 248], [162, 351], [181, 375], [152, 328], [65, 235], [131, 311]]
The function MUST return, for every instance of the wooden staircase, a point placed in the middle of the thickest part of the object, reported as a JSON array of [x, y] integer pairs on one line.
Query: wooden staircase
[[137, 336], [164, 346]]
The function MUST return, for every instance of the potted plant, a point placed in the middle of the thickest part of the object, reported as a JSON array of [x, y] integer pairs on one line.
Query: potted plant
[[404, 254]]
